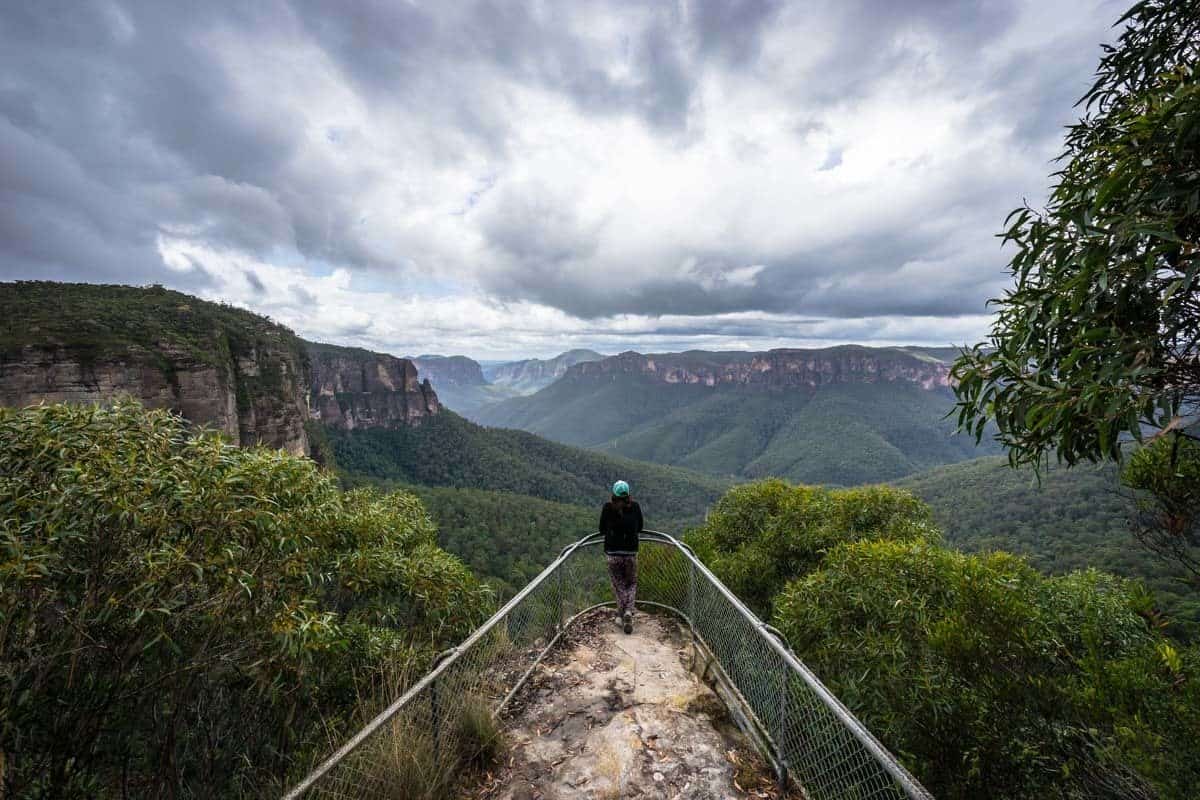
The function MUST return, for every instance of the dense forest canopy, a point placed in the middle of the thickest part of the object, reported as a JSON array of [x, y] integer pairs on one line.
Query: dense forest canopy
[[131, 321], [449, 451], [1069, 519]]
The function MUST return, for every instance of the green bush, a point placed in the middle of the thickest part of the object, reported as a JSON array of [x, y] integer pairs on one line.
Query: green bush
[[992, 679], [180, 617], [761, 535]]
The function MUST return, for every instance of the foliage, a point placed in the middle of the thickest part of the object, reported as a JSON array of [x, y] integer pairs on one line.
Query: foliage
[[1166, 473], [506, 539], [185, 618], [1099, 336], [447, 450], [761, 535], [994, 680], [404, 760], [1072, 518]]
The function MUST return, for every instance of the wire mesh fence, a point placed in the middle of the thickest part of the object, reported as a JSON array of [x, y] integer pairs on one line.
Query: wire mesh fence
[[419, 745]]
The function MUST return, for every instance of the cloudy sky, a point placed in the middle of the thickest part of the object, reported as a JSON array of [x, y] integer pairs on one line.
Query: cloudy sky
[[506, 178]]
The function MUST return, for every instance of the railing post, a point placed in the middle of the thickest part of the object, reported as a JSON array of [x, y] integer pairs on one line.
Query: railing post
[[562, 597], [781, 730], [691, 606], [435, 722]]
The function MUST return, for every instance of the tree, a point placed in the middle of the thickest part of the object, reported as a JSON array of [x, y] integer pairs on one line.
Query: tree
[[181, 617], [1100, 337]]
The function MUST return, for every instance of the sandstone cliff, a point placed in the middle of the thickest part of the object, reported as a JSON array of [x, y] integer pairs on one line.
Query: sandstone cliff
[[223, 367], [775, 369], [446, 371], [215, 365], [352, 388]]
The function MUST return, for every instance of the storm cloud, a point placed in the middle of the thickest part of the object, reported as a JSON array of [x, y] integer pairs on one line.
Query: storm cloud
[[509, 178]]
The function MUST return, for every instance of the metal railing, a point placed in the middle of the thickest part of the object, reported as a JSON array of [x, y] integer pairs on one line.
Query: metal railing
[[423, 736]]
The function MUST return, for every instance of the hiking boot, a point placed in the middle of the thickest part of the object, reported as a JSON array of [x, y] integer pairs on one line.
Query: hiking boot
[[628, 622]]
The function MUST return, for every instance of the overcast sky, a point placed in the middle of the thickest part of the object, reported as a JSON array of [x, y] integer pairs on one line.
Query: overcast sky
[[506, 179]]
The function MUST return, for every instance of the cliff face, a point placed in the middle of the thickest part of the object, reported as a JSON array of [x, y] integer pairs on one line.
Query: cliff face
[[450, 370], [352, 388], [775, 369], [223, 367], [254, 397]]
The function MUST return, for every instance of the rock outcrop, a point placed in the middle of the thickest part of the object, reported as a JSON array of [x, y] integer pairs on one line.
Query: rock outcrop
[[609, 715], [776, 369], [450, 370], [352, 388], [217, 366], [222, 396]]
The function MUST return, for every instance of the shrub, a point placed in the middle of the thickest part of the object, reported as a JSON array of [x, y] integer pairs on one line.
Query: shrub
[[989, 677], [182, 617], [761, 535]]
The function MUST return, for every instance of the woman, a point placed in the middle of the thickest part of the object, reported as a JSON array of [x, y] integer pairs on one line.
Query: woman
[[621, 522]]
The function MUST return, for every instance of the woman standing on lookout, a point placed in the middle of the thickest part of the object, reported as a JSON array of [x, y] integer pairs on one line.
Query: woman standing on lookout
[[621, 522]]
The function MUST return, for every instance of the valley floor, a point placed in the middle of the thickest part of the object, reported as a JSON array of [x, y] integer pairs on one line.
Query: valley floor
[[610, 715]]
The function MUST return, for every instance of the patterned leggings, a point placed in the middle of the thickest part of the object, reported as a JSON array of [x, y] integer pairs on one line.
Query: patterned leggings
[[623, 571]]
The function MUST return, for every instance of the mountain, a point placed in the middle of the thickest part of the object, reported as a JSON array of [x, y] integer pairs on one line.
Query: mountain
[[221, 366], [841, 415], [238, 372], [532, 374], [460, 383], [1074, 519]]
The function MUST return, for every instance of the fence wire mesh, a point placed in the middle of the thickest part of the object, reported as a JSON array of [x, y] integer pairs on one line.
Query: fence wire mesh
[[419, 745]]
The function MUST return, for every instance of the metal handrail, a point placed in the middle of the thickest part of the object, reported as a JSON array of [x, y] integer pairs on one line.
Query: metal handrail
[[778, 642], [381, 719], [772, 638]]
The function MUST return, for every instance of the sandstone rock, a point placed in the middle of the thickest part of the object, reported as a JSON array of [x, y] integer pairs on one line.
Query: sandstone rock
[[229, 395], [352, 388], [775, 369], [624, 717]]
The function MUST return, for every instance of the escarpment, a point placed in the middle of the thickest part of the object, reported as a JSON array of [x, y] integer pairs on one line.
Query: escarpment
[[215, 365], [237, 372], [532, 374], [782, 368], [450, 370], [353, 388]]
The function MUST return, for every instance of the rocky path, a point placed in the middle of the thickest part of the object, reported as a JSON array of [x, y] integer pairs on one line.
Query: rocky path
[[616, 716]]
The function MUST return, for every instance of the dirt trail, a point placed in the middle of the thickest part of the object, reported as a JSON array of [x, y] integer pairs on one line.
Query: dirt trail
[[616, 716]]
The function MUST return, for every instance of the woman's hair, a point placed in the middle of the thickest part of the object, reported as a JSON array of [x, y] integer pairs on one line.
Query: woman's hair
[[622, 502]]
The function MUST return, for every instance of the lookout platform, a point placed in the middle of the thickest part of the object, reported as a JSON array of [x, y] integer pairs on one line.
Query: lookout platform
[[610, 715], [592, 713]]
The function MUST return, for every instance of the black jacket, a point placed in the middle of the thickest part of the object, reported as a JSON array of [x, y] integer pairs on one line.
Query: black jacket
[[621, 526]]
